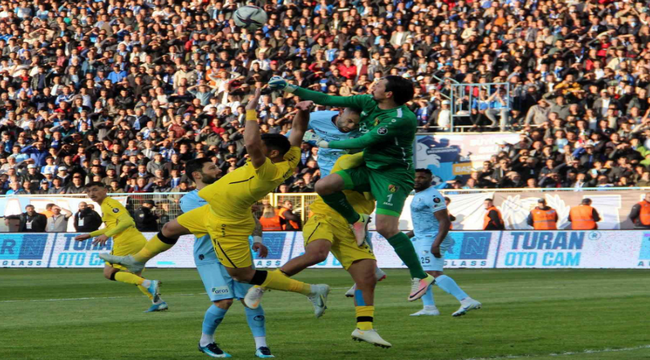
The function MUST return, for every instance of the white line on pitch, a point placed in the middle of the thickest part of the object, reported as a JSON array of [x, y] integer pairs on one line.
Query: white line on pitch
[[565, 353]]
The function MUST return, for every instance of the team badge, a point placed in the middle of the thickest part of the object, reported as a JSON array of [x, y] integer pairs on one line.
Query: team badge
[[382, 131], [392, 188], [116, 210], [436, 199]]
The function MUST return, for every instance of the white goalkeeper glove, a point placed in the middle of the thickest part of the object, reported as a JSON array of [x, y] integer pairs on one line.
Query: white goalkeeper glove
[[278, 83]]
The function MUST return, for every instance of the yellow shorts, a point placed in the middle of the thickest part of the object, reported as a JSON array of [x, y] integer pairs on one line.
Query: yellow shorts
[[344, 244], [127, 246], [196, 220], [230, 241]]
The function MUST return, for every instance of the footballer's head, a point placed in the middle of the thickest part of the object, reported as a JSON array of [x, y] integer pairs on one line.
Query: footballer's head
[[274, 146], [348, 120], [202, 170], [423, 179], [96, 191]]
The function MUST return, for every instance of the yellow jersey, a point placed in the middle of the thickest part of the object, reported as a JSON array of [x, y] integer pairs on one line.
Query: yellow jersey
[[233, 195], [112, 211], [356, 199]]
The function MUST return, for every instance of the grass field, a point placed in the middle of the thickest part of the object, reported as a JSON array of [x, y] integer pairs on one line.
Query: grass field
[[76, 314]]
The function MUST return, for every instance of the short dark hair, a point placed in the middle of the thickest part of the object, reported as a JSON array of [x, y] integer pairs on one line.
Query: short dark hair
[[401, 88], [277, 142], [426, 171], [195, 165], [95, 183]]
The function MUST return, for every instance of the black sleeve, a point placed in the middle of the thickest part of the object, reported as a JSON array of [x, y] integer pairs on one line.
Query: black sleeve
[[494, 218], [634, 214], [595, 214], [529, 219]]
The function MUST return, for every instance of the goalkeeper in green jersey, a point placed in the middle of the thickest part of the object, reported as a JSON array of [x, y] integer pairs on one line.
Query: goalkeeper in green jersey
[[388, 128]]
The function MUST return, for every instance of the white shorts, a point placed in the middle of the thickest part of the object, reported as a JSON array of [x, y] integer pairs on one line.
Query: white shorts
[[423, 249]]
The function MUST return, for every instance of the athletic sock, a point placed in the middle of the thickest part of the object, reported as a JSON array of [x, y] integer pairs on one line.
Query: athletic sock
[[145, 291], [276, 280], [213, 317], [257, 324], [155, 246], [449, 285], [427, 299], [340, 203], [406, 252], [128, 278], [365, 316]]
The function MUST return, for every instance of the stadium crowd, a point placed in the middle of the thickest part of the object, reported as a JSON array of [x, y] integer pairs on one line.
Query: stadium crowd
[[125, 92]]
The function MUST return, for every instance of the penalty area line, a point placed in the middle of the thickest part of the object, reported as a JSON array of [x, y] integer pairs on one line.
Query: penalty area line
[[568, 353]]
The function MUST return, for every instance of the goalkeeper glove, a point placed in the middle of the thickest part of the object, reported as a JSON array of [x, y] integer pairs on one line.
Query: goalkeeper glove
[[278, 83]]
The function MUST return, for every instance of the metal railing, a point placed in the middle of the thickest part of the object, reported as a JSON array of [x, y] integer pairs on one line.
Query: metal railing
[[467, 97]]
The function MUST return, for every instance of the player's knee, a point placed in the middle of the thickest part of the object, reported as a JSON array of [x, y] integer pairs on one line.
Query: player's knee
[[317, 255], [169, 233], [223, 304], [109, 274], [435, 274], [329, 184]]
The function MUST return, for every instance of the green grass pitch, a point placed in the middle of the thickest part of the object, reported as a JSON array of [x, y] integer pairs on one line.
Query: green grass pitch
[[76, 314]]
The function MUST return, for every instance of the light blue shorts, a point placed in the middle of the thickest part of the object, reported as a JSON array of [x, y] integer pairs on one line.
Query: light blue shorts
[[218, 284], [423, 249]]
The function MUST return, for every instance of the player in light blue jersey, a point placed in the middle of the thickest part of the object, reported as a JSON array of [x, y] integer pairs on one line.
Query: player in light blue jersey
[[331, 126], [221, 288], [431, 225], [335, 126]]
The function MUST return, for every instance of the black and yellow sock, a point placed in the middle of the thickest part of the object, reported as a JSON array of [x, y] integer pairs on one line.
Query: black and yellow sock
[[340, 203], [278, 281], [404, 249], [365, 315], [155, 246]]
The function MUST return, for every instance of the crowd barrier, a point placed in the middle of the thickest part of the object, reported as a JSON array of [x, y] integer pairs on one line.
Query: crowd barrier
[[471, 249]]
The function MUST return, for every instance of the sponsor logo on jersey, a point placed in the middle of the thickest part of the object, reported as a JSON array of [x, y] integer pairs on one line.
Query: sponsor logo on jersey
[[116, 210], [220, 290]]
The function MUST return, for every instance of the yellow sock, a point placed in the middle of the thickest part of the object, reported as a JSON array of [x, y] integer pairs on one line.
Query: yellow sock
[[153, 248], [276, 280], [145, 292], [127, 277], [364, 317]]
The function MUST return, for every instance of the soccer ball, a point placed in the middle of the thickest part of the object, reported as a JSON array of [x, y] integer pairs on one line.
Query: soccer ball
[[250, 17]]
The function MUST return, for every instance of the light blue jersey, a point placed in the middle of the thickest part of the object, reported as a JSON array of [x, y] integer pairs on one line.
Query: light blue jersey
[[426, 226], [203, 249], [424, 204], [321, 122]]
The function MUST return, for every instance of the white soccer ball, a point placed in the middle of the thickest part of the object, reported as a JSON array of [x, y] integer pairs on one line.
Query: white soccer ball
[[250, 17]]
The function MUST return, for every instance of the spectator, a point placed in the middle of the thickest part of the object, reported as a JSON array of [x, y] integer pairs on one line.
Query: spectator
[[583, 216], [86, 219], [145, 218], [542, 217], [640, 214], [270, 219], [288, 220], [492, 219], [58, 223], [30, 220]]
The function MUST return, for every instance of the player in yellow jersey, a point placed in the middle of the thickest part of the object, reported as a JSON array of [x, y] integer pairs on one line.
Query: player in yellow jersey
[[126, 240], [227, 217], [328, 231]]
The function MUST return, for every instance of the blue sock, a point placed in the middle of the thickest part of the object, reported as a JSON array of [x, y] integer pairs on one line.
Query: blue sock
[[427, 299], [449, 285], [212, 319], [257, 323]]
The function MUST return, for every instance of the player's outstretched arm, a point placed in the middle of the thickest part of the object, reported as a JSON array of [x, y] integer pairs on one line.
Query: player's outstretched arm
[[300, 123], [357, 101], [385, 131], [252, 137]]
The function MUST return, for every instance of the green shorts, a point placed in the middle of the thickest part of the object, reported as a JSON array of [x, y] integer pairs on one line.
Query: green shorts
[[389, 187]]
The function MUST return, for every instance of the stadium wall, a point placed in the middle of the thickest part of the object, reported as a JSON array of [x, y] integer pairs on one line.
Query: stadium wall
[[471, 249]]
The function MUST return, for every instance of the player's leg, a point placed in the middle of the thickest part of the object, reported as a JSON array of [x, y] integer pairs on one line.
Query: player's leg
[[423, 249], [232, 249], [256, 319], [331, 187], [211, 321], [316, 251], [191, 222], [379, 273], [115, 272], [391, 193], [361, 264]]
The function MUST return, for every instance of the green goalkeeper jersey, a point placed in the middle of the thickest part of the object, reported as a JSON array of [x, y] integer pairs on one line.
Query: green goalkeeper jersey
[[388, 135]]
